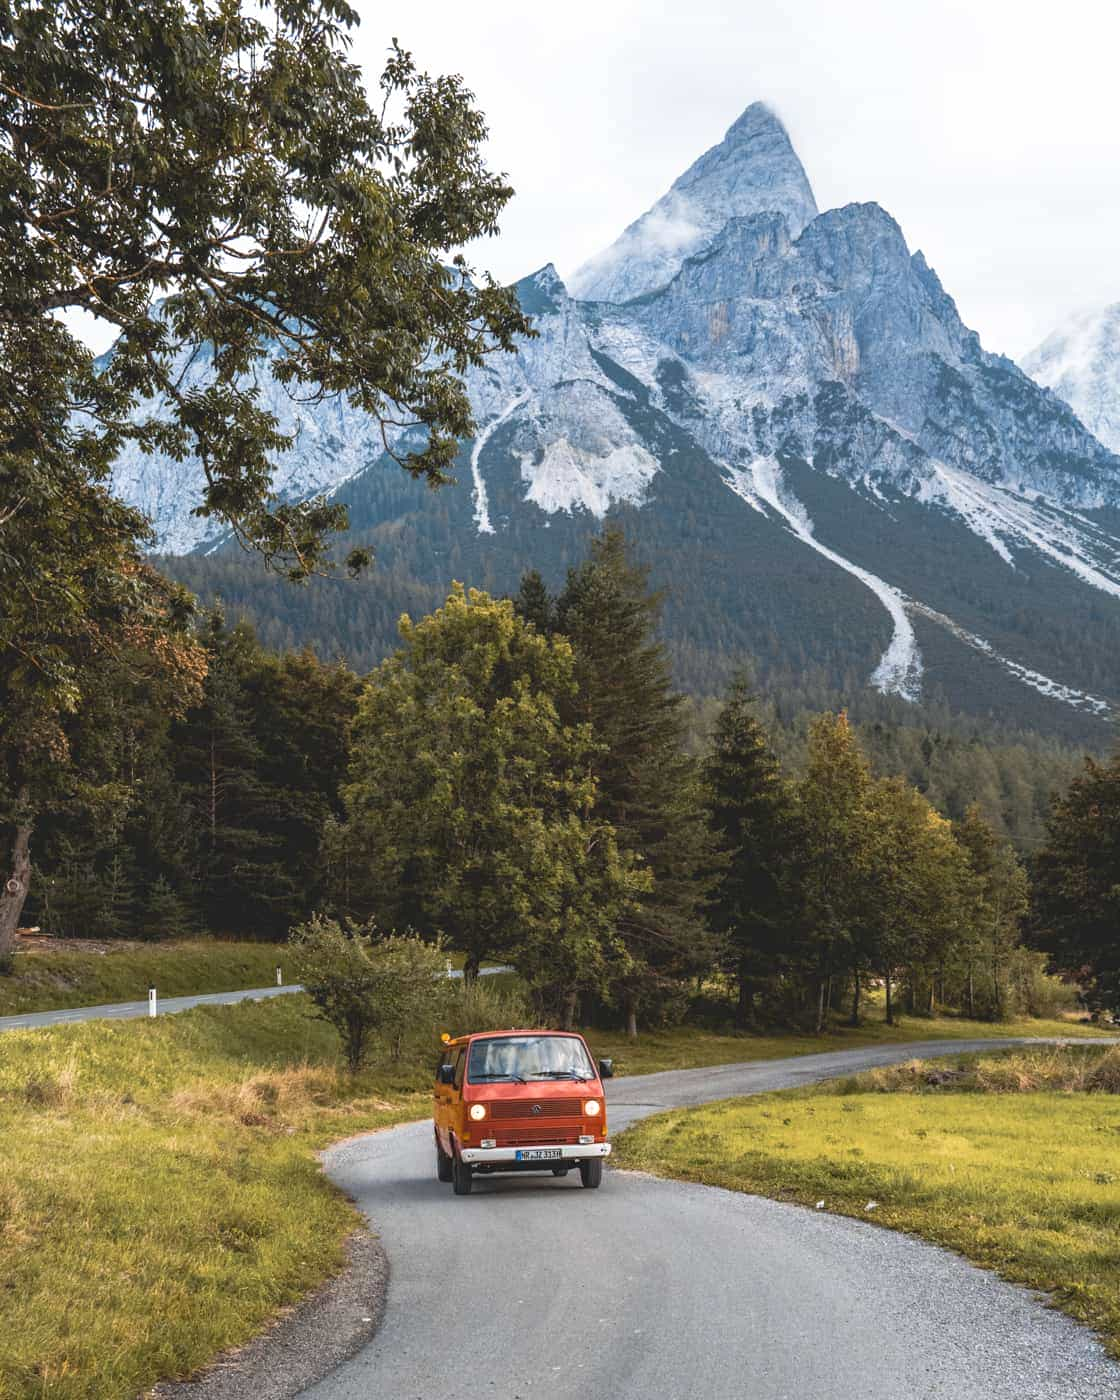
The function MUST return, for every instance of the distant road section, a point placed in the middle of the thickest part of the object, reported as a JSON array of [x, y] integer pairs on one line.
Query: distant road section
[[166, 1006]]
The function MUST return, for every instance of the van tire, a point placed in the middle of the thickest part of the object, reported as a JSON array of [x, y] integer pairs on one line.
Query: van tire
[[591, 1173], [462, 1177], [445, 1166]]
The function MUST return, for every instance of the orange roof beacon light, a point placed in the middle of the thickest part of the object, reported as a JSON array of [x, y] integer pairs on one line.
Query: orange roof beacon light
[[519, 1101]]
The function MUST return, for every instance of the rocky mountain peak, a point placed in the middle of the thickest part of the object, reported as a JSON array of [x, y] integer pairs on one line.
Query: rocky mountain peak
[[753, 170], [1080, 361]]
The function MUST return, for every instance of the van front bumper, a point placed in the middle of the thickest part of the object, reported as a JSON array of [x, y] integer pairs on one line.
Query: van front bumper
[[569, 1152]]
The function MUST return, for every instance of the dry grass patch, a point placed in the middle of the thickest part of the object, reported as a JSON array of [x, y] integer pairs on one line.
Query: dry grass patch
[[160, 1198]]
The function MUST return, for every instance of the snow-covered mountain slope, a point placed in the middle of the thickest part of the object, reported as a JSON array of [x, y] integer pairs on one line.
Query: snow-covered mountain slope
[[333, 442], [1080, 361], [786, 411], [754, 169]]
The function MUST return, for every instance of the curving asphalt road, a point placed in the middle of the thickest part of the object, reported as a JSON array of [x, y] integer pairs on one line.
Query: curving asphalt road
[[534, 1289]]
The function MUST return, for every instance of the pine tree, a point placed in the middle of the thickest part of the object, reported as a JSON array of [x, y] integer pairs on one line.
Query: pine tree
[[752, 812], [834, 825], [1076, 906], [648, 788]]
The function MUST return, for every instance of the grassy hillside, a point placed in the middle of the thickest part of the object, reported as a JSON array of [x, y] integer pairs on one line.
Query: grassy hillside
[[1010, 1159], [46, 979], [159, 1194]]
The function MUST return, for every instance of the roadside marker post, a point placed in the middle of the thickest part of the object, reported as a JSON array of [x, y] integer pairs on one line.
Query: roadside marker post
[[151, 1001], [279, 977]]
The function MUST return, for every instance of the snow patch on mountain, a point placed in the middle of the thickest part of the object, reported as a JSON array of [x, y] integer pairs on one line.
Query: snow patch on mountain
[[899, 671], [1045, 685], [1000, 517], [481, 509]]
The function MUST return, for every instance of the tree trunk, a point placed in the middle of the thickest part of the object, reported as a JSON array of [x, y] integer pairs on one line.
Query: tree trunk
[[569, 1018], [971, 996], [471, 965], [853, 1020], [890, 1003], [929, 1003], [632, 1022], [17, 880], [820, 1006], [744, 1014]]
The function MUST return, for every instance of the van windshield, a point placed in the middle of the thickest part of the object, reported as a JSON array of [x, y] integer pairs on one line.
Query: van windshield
[[521, 1058]]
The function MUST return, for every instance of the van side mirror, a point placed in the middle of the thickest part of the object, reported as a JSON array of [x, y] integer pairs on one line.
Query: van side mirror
[[447, 1074], [606, 1069]]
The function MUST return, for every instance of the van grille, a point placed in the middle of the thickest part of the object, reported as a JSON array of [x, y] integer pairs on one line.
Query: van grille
[[535, 1108], [515, 1136]]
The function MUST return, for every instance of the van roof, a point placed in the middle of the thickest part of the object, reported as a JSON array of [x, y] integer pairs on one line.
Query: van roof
[[523, 1030]]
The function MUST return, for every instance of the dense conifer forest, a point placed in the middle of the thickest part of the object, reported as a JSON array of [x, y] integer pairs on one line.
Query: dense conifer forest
[[523, 778]]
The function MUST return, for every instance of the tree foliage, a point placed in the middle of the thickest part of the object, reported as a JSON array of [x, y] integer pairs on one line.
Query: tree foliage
[[470, 804], [368, 985], [647, 787], [1076, 896], [211, 178]]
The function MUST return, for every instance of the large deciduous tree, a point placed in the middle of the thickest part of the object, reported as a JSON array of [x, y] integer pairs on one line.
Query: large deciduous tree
[[210, 176], [207, 178], [471, 804]]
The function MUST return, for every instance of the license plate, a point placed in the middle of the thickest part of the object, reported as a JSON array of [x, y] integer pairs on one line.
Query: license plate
[[539, 1154]]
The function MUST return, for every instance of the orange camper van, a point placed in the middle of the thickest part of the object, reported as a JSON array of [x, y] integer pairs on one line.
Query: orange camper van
[[519, 1101]]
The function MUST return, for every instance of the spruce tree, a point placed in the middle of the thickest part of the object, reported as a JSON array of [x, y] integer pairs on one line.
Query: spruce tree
[[1076, 903], [752, 813], [648, 788]]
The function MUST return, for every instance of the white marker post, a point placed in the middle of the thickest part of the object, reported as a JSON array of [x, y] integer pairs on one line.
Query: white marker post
[[151, 1001], [279, 977]]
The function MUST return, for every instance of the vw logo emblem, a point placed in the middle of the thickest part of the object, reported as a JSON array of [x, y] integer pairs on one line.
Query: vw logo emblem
[[536, 1108]]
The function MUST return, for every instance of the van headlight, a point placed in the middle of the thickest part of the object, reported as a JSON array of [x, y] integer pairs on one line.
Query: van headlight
[[477, 1111], [592, 1108]]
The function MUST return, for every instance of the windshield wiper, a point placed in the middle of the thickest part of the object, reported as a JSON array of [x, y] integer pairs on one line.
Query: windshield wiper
[[563, 1074], [478, 1078]]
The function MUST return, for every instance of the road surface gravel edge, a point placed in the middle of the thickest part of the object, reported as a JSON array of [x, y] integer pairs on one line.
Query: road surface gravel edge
[[307, 1342]]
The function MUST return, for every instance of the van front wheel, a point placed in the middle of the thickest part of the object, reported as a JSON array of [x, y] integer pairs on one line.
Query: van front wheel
[[462, 1177], [591, 1173]]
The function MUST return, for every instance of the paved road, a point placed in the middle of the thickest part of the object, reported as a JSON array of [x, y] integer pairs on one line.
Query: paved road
[[133, 1010], [534, 1289]]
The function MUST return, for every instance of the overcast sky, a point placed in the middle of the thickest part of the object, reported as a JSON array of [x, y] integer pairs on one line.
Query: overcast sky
[[990, 129]]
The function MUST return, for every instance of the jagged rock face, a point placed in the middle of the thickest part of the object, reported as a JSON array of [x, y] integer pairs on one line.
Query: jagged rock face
[[793, 386], [1080, 361], [753, 170], [333, 442]]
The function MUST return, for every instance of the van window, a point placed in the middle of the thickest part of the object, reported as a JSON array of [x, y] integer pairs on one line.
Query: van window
[[460, 1061], [521, 1058]]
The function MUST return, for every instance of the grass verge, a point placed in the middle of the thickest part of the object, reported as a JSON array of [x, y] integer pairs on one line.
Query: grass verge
[[159, 1195], [48, 980], [1011, 1159]]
